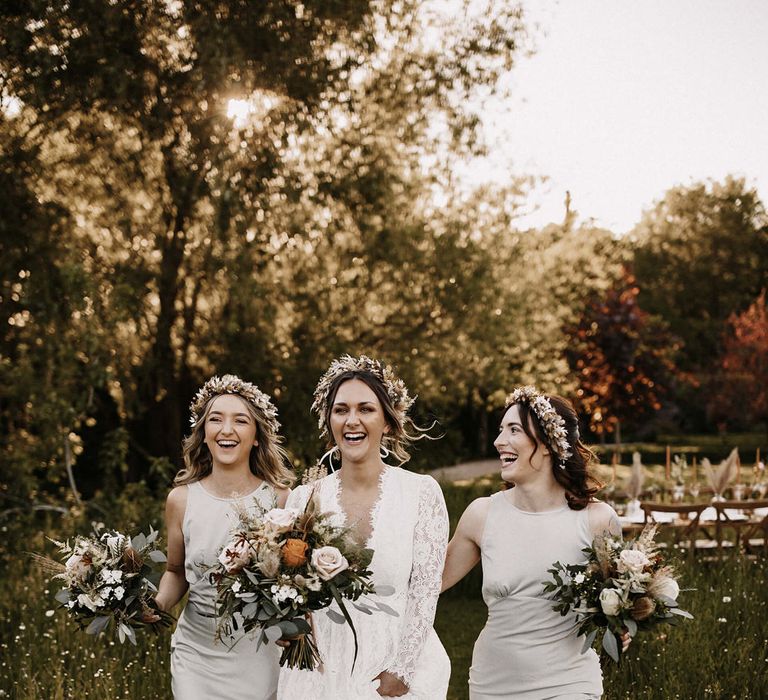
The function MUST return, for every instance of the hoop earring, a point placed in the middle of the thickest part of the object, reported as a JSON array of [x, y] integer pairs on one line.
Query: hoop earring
[[383, 452], [334, 452]]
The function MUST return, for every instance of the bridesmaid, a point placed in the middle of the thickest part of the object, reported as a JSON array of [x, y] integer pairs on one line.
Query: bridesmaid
[[527, 650], [233, 460]]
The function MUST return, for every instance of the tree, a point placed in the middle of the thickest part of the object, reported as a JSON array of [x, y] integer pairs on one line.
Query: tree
[[740, 395], [699, 257], [196, 150], [622, 358]]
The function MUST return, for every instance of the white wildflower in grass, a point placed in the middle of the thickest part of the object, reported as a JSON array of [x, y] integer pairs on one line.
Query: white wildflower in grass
[[726, 599]]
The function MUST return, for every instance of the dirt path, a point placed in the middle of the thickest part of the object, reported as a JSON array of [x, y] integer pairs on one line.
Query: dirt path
[[467, 470]]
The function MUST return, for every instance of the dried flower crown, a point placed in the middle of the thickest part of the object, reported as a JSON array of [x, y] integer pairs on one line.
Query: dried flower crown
[[552, 423], [232, 384], [395, 388]]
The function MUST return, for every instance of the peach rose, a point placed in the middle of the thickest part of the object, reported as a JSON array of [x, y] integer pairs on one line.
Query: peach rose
[[295, 552]]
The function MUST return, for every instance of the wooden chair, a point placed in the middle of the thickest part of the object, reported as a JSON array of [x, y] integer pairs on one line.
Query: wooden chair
[[686, 525], [751, 534]]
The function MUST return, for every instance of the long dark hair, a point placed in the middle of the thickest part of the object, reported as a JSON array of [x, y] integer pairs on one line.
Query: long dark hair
[[574, 475]]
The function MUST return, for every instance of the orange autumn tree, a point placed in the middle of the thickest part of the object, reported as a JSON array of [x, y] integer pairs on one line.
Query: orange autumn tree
[[741, 391], [622, 357]]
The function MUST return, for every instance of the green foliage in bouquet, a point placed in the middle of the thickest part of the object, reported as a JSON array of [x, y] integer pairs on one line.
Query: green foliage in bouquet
[[282, 566], [110, 577], [623, 587]]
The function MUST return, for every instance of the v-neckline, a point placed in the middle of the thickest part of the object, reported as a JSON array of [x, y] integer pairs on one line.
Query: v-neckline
[[373, 515]]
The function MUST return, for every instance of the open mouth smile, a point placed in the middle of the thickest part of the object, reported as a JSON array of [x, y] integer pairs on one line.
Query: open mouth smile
[[508, 458], [354, 438]]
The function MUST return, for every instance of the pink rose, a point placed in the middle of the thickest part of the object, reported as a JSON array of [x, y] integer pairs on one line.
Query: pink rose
[[328, 561], [632, 561], [280, 519], [235, 555]]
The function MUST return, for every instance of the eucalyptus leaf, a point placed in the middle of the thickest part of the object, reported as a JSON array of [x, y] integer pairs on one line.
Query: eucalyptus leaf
[[251, 610], [98, 624], [63, 595], [157, 556], [139, 542], [631, 626], [589, 641], [681, 613], [129, 633], [610, 645], [273, 633], [302, 624], [288, 628]]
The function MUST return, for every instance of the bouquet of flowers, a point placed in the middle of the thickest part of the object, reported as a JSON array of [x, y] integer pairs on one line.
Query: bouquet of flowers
[[281, 566], [623, 587], [110, 577]]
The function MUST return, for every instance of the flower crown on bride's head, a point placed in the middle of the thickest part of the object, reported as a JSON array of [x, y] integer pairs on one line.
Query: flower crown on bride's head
[[552, 423], [232, 384], [395, 388]]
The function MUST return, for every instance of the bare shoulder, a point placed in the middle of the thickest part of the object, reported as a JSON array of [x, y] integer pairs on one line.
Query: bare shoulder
[[473, 519], [603, 518], [176, 503]]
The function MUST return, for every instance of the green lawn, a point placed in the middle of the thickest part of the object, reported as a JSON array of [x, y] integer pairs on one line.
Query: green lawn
[[723, 653]]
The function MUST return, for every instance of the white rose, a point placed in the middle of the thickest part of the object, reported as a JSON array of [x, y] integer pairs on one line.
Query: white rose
[[610, 601], [280, 519], [664, 586], [632, 561], [328, 561], [579, 578], [235, 555]]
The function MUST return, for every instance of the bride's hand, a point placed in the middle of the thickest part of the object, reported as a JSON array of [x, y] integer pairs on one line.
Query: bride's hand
[[390, 686]]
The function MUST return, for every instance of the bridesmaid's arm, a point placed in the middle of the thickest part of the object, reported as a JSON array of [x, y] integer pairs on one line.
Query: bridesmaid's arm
[[464, 547], [173, 584]]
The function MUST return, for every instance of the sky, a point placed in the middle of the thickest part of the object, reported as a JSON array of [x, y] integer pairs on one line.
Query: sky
[[623, 100]]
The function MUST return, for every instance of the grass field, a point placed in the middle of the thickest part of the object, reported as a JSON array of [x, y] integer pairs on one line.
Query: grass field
[[723, 653]]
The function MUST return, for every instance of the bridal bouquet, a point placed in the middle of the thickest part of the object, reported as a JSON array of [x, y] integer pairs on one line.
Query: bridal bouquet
[[281, 566], [109, 578], [624, 586]]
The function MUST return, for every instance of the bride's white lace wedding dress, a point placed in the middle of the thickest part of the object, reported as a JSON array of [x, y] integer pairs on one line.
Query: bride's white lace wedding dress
[[409, 534]]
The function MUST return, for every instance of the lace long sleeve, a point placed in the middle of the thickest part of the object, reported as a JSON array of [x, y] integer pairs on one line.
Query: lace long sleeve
[[430, 539]]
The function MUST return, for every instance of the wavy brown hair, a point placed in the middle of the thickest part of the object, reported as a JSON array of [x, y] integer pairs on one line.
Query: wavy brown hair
[[402, 430], [574, 476], [267, 459]]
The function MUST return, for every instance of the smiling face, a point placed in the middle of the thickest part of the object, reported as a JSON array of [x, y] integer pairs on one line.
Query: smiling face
[[357, 422], [521, 459], [230, 431]]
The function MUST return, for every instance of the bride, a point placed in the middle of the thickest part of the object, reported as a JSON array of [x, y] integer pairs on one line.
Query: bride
[[361, 407]]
